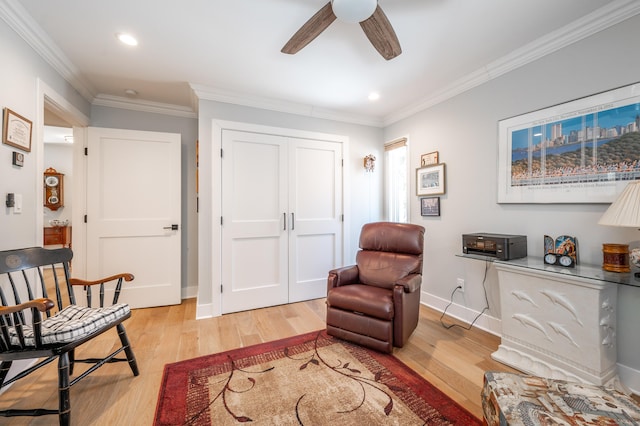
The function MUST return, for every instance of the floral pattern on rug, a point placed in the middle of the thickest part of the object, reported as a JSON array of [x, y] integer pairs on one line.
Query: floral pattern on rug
[[310, 380]]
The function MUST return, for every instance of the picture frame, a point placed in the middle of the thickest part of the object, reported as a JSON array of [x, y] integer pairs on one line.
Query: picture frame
[[429, 159], [430, 180], [16, 130], [582, 151], [430, 206]]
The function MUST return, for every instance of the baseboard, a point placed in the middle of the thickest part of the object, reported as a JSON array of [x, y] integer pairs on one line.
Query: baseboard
[[189, 292], [630, 377], [204, 311], [485, 322]]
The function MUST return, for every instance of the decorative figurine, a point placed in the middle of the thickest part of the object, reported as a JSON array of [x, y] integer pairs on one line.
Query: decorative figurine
[[562, 251]]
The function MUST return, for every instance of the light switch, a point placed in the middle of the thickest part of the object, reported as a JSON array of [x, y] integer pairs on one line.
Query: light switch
[[17, 208]]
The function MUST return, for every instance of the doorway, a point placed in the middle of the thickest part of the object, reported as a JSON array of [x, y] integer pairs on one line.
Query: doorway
[[58, 170]]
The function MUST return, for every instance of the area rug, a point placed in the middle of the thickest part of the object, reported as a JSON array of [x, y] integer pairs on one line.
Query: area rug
[[311, 379]]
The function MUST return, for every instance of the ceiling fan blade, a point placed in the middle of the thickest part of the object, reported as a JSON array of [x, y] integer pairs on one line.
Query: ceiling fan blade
[[310, 30], [381, 34]]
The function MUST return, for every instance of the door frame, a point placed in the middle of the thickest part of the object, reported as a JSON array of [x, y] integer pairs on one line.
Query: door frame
[[64, 109], [210, 241]]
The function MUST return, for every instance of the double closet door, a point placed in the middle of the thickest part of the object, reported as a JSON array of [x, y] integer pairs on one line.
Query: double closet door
[[282, 227]]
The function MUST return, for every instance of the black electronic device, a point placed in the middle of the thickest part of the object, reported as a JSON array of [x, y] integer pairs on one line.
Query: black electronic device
[[500, 246]]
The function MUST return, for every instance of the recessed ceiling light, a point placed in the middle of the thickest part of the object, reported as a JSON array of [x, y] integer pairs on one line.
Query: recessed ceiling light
[[374, 96], [127, 39]]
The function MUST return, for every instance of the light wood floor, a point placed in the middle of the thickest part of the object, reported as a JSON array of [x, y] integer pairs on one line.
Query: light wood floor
[[454, 360]]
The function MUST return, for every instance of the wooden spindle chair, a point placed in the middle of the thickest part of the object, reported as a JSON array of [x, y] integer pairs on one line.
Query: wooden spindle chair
[[45, 325]]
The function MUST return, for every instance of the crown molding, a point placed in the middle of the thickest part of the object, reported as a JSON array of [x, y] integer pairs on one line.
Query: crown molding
[[143, 106], [12, 12], [602, 18], [613, 13], [226, 96]]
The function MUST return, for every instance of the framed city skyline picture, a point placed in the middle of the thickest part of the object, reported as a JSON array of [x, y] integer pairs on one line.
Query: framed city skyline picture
[[583, 151]]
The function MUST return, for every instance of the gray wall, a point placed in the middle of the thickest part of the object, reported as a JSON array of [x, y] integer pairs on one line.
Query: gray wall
[[464, 131]]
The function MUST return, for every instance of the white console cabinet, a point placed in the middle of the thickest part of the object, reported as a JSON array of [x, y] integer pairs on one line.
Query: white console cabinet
[[557, 323]]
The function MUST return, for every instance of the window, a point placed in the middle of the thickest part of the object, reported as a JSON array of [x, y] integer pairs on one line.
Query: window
[[396, 180]]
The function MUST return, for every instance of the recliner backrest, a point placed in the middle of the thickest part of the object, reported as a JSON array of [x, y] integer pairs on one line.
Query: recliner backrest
[[389, 252]]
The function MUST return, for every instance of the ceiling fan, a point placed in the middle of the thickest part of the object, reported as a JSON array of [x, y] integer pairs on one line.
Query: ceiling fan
[[368, 13]]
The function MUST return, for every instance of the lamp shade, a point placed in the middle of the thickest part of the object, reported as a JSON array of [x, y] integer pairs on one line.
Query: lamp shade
[[625, 210], [353, 11]]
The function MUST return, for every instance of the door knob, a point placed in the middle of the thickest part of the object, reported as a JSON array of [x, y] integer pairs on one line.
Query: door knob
[[173, 227]]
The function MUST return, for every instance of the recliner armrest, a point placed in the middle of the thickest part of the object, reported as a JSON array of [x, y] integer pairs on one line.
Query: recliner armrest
[[343, 276], [410, 283]]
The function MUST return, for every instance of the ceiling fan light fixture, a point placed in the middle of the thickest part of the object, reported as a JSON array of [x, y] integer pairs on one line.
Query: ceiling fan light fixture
[[353, 11]]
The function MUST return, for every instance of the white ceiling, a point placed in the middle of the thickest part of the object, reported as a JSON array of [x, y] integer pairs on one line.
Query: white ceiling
[[229, 50]]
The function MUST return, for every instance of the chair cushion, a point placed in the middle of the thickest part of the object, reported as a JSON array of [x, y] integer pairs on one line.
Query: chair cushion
[[72, 323], [372, 301], [393, 237], [383, 269], [518, 399]]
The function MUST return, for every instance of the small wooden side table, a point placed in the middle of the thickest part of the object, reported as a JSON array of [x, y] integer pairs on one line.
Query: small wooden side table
[[54, 235]]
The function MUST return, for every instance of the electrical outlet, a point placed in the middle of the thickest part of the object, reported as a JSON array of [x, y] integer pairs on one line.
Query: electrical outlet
[[460, 282]]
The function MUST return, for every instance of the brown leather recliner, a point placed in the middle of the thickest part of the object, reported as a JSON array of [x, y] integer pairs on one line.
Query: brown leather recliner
[[376, 302]]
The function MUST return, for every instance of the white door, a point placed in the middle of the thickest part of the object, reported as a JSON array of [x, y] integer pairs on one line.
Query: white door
[[315, 206], [281, 218], [254, 215], [133, 212]]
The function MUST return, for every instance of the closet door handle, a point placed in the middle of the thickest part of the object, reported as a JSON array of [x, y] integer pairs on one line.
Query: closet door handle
[[284, 217], [293, 222]]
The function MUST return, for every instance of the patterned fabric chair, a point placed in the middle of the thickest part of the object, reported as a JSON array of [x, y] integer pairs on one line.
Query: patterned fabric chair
[[517, 399], [40, 320]]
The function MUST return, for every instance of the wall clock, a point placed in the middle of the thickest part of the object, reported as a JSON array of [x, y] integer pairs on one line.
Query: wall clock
[[53, 189]]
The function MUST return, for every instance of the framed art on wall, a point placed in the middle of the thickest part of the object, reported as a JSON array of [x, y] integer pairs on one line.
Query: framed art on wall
[[430, 180], [429, 159], [582, 151], [430, 206], [16, 130]]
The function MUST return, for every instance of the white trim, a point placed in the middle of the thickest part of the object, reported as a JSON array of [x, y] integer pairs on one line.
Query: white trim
[[189, 292], [64, 109], [26, 27], [271, 104], [610, 14], [143, 106], [630, 377], [210, 251], [602, 18], [485, 322]]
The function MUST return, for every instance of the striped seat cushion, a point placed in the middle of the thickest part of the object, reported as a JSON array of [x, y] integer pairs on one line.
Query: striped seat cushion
[[73, 323]]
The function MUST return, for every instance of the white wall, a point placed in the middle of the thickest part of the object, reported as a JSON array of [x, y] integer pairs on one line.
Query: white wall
[[19, 92], [464, 131], [364, 199]]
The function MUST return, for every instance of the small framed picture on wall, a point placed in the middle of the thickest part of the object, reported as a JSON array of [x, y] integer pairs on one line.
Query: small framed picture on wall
[[430, 180], [429, 159], [430, 206]]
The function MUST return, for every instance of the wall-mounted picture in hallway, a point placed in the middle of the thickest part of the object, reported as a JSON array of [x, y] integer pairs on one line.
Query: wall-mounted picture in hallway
[[583, 151]]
